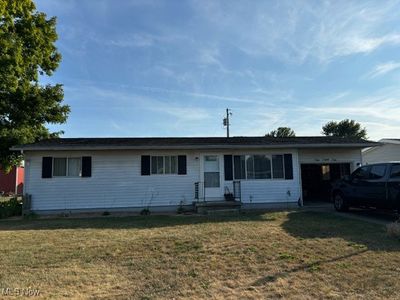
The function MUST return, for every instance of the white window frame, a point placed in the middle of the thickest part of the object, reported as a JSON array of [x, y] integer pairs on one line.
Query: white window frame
[[66, 166], [164, 170], [269, 156]]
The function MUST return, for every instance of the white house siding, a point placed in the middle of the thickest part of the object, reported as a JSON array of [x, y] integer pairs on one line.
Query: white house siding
[[386, 152], [116, 182], [331, 155], [271, 190], [268, 191]]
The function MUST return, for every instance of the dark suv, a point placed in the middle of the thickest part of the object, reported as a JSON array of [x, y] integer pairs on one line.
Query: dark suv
[[375, 185]]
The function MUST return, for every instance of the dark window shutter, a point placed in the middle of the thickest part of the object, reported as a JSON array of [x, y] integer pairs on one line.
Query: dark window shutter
[[87, 166], [145, 165], [288, 166], [47, 167], [228, 168], [182, 165]]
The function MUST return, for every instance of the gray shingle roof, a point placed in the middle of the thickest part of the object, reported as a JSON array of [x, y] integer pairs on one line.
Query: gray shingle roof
[[194, 143]]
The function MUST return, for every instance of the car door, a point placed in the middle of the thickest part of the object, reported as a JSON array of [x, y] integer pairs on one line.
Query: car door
[[393, 186], [357, 185], [375, 188]]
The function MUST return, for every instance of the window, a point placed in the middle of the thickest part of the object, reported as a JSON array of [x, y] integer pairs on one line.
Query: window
[[326, 172], [164, 165], [63, 166], [262, 167], [239, 162], [395, 173], [277, 167], [211, 171], [361, 173], [258, 166], [377, 172], [60, 167]]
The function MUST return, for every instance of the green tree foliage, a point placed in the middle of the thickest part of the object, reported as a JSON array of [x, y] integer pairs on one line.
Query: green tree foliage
[[281, 132], [344, 128], [27, 52]]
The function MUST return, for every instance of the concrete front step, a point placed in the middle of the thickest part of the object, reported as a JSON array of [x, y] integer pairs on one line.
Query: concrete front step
[[219, 212], [205, 207]]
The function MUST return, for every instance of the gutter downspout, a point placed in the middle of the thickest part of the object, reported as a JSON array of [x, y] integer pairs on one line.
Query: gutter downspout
[[16, 180], [16, 176]]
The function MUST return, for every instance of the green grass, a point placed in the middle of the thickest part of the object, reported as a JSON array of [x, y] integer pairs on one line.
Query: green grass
[[272, 255]]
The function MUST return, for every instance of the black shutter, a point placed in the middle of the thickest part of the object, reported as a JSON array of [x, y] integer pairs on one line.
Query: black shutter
[[182, 165], [228, 168], [145, 165], [288, 166], [47, 167], [86, 166]]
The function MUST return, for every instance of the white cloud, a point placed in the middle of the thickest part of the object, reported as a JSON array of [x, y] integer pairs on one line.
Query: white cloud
[[297, 31], [383, 69]]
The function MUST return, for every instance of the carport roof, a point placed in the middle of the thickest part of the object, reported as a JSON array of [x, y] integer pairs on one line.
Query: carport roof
[[113, 143]]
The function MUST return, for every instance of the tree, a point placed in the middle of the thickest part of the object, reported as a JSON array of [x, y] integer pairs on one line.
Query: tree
[[282, 132], [27, 53], [344, 128]]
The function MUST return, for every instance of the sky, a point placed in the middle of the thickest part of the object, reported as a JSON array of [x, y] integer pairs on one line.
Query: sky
[[171, 68]]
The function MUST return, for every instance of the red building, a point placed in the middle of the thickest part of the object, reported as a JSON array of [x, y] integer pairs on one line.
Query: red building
[[13, 182]]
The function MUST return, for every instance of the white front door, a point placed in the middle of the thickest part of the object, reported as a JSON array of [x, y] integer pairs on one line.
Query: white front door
[[212, 176]]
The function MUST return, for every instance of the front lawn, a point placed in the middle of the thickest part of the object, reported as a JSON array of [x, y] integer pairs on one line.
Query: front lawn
[[294, 254]]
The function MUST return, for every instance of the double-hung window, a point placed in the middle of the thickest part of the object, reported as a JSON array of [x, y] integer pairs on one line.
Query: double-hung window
[[67, 166], [164, 165], [258, 166]]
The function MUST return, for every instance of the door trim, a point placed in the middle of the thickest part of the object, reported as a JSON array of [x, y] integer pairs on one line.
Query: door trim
[[221, 176]]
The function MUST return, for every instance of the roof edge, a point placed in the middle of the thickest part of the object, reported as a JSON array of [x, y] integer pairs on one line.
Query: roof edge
[[192, 147]]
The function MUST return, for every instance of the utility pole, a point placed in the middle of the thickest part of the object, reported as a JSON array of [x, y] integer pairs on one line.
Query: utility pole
[[226, 121]]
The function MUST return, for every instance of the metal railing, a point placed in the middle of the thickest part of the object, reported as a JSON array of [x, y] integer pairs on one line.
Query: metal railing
[[199, 191]]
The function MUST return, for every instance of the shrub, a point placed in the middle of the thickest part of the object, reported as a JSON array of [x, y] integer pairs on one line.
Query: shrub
[[393, 229], [145, 212], [12, 207]]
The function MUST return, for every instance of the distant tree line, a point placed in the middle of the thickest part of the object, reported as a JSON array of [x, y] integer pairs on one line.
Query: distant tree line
[[346, 128]]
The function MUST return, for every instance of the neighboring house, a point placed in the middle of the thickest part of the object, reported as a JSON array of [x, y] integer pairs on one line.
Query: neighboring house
[[12, 182], [388, 150], [162, 173]]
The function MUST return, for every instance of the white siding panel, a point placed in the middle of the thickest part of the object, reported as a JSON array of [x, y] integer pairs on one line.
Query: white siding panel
[[330, 155], [116, 182], [384, 153], [272, 190]]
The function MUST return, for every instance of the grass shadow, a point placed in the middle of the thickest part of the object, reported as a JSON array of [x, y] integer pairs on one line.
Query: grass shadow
[[328, 225], [127, 222], [362, 236]]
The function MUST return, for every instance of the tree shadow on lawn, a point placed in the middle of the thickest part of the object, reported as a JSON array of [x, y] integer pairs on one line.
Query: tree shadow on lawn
[[130, 222], [360, 235], [311, 225]]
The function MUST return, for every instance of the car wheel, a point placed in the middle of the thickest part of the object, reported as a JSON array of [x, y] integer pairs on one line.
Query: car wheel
[[339, 203]]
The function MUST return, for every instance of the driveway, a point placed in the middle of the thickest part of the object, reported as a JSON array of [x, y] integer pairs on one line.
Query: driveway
[[370, 215]]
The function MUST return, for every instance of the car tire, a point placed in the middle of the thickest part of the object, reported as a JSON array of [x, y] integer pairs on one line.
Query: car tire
[[340, 203]]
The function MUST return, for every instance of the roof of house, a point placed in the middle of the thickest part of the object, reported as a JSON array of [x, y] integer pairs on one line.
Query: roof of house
[[195, 143], [382, 142], [390, 141]]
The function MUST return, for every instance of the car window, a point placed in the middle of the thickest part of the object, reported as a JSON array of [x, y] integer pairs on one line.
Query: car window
[[395, 173], [377, 171], [361, 173]]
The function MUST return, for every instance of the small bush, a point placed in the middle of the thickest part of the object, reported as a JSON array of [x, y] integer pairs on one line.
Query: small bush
[[180, 210], [106, 213], [12, 207], [145, 212], [31, 216], [393, 229]]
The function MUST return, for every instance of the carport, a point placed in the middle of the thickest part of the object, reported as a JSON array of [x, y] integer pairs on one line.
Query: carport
[[319, 168], [317, 179]]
